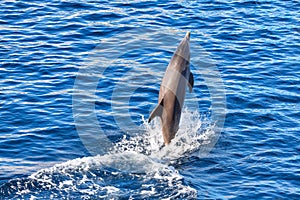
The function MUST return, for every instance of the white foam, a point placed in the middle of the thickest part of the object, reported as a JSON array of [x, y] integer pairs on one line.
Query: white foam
[[194, 131], [139, 159]]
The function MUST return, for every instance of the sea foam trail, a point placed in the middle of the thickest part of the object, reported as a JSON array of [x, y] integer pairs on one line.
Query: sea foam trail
[[112, 176], [137, 168]]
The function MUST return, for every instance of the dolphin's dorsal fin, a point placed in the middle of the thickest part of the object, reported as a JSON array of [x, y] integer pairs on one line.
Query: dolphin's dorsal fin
[[191, 81], [157, 112]]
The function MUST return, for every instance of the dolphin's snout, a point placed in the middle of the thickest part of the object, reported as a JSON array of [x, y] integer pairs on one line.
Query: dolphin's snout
[[187, 35]]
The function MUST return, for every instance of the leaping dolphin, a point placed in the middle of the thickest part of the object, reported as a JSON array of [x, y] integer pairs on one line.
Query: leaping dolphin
[[172, 90]]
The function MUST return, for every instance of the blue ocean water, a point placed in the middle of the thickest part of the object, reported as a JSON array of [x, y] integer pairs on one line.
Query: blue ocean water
[[79, 79]]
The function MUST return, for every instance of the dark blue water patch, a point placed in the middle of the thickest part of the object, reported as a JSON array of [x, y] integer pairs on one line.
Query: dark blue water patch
[[134, 5], [76, 6], [103, 17], [141, 102], [224, 170]]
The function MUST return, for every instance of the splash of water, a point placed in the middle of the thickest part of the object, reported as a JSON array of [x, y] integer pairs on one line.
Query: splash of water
[[136, 168], [194, 132], [128, 175]]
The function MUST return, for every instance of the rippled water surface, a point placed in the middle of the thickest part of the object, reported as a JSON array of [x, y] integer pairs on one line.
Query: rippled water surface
[[79, 79]]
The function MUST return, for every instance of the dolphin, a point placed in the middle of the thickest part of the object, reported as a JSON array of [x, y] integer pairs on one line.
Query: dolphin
[[173, 89]]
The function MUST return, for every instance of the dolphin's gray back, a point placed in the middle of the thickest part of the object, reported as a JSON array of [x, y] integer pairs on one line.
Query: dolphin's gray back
[[173, 89]]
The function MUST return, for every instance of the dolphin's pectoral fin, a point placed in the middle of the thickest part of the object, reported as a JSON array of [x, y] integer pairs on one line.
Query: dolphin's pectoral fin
[[157, 112], [191, 81]]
